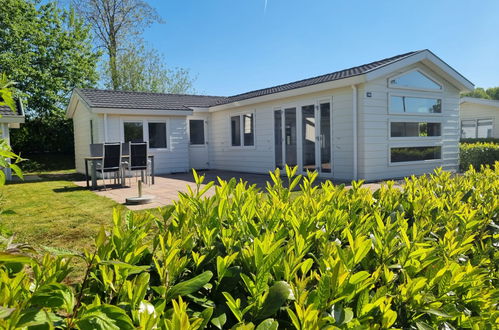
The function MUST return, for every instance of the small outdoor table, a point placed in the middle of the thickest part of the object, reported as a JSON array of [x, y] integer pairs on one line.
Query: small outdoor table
[[95, 159]]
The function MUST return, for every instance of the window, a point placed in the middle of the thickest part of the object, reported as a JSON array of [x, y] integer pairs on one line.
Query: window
[[133, 131], [242, 128], [468, 129], [411, 129], [405, 104], [196, 131], [415, 79], [476, 128], [410, 154], [484, 128], [157, 135]]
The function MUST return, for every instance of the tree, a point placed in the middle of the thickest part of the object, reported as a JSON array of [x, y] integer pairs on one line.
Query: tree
[[115, 23], [139, 68], [47, 51], [489, 93]]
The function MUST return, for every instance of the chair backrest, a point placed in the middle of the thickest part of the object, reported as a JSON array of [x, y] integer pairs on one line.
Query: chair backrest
[[138, 155], [112, 155], [96, 149]]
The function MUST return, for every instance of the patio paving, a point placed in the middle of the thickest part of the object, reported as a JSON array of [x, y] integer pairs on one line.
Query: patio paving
[[166, 188]]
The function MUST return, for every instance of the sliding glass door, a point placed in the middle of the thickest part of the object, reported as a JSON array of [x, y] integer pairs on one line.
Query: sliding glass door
[[303, 136]]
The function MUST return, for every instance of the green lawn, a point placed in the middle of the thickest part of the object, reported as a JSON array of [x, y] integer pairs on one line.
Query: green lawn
[[54, 212]]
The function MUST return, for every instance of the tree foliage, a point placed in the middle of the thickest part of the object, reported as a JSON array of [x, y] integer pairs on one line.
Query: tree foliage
[[47, 51], [142, 69], [116, 23], [491, 93]]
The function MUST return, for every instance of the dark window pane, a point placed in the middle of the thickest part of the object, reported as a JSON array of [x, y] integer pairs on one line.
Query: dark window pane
[[410, 154], [325, 140], [400, 104], [133, 132], [290, 136], [410, 129], [157, 135], [249, 136], [235, 130], [278, 138], [196, 131]]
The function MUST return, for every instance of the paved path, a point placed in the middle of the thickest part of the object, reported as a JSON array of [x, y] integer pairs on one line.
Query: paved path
[[166, 188]]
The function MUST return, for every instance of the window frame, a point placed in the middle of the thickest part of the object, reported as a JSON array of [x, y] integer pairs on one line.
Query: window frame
[[414, 138], [204, 133], [416, 95], [476, 126], [424, 143], [241, 114], [167, 129], [124, 121], [424, 73], [145, 130]]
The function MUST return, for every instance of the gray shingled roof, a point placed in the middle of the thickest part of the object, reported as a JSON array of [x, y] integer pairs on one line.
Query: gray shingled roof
[[143, 100], [347, 73], [156, 101], [6, 111]]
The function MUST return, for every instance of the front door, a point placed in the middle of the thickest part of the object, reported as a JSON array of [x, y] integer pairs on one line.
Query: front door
[[198, 146]]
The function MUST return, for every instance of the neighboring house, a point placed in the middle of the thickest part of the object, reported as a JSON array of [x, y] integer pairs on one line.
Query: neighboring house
[[10, 119], [479, 118], [390, 118]]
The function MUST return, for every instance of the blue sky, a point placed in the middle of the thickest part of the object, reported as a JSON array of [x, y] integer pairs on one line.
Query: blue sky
[[234, 46]]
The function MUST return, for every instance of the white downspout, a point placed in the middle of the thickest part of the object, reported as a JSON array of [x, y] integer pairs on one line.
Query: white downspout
[[105, 127], [354, 129]]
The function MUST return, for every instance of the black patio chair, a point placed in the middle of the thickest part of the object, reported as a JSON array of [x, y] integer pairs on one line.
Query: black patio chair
[[137, 160], [111, 160]]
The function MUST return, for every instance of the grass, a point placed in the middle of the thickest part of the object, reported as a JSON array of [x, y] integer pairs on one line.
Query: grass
[[55, 212]]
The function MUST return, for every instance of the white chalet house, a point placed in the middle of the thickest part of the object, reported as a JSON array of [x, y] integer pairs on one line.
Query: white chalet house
[[387, 119]]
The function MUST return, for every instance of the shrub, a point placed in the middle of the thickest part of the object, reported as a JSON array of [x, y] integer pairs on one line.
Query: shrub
[[485, 140], [477, 154], [421, 257]]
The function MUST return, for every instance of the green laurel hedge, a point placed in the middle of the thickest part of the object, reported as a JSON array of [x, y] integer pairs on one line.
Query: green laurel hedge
[[421, 256], [478, 154]]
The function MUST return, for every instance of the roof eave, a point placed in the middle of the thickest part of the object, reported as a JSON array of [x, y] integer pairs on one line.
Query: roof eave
[[474, 100], [429, 59], [354, 80]]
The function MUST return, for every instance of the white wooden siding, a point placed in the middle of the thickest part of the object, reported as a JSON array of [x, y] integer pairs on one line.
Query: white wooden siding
[[260, 158], [374, 118], [81, 127], [175, 158]]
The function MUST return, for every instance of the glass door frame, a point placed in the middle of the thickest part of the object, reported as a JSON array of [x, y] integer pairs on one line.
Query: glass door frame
[[299, 133]]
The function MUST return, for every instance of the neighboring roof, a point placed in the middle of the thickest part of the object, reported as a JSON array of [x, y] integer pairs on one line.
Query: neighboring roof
[[6, 111], [100, 98], [475, 100], [347, 73]]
